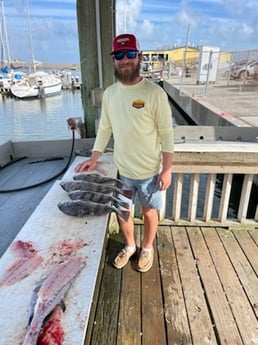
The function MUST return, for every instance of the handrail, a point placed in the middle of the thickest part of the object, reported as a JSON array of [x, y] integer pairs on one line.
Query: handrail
[[206, 176]]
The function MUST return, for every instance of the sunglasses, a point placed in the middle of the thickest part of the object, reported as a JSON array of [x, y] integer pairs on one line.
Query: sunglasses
[[130, 54]]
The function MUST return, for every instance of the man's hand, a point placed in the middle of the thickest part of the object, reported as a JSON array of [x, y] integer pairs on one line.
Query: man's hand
[[164, 179], [87, 165]]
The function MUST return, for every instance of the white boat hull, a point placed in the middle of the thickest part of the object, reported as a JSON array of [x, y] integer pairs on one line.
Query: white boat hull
[[49, 90], [24, 91], [38, 85]]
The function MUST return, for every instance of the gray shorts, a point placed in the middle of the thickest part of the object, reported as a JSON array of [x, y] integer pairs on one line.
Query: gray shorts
[[147, 190]]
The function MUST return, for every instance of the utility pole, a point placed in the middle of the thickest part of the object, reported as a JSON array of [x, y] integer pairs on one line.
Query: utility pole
[[95, 20]]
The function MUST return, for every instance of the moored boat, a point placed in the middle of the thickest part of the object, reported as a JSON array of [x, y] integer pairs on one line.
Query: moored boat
[[9, 79], [38, 84]]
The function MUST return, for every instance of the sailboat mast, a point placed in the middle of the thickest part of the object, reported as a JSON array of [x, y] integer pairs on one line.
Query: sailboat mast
[[4, 36], [30, 36]]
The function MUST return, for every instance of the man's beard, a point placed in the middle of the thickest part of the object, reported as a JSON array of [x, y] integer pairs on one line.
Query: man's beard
[[128, 76]]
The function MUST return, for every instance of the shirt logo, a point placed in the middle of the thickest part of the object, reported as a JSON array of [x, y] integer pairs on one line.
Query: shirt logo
[[138, 103]]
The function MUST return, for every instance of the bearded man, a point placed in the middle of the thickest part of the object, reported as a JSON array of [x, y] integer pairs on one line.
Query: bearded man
[[138, 115]]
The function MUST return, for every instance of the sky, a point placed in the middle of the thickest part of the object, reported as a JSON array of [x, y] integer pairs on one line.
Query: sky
[[231, 25]]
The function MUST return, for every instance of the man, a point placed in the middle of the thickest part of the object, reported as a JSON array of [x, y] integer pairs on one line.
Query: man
[[137, 113]]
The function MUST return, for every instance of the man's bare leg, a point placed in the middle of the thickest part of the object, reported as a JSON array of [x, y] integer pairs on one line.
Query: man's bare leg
[[128, 231], [151, 220]]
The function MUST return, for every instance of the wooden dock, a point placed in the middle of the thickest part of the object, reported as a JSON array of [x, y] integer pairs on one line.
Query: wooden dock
[[202, 289], [203, 286]]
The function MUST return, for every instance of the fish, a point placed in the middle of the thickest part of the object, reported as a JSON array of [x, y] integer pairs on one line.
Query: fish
[[52, 332], [26, 261], [68, 186], [49, 292], [96, 197], [96, 178], [82, 208]]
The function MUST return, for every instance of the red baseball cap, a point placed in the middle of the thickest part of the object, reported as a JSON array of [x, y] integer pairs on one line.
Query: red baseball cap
[[125, 42]]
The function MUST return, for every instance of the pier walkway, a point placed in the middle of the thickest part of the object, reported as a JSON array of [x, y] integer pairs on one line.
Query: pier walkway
[[202, 289], [233, 104]]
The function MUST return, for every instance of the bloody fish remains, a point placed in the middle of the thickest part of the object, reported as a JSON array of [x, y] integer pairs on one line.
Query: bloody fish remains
[[26, 261], [49, 292]]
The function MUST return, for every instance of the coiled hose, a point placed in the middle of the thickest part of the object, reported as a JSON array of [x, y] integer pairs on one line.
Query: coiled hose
[[50, 178]]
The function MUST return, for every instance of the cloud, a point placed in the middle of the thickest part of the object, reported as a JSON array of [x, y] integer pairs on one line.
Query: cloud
[[229, 24], [127, 15], [53, 30]]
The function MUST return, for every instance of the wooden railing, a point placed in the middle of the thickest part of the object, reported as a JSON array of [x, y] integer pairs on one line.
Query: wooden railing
[[213, 184]]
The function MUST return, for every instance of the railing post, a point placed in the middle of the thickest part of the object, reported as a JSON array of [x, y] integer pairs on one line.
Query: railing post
[[209, 196], [193, 197], [245, 197], [177, 197], [226, 189]]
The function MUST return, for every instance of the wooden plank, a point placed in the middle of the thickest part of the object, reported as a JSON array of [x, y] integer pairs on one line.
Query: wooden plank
[[129, 330], [162, 211], [245, 197], [254, 234], [241, 309], [216, 153], [178, 331], [223, 319], [177, 197], [256, 214], [209, 197], [198, 315], [105, 323], [153, 324], [193, 197], [225, 194], [249, 247], [96, 30], [242, 266], [220, 168]]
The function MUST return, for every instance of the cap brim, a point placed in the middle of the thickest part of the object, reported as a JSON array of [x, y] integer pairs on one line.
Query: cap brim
[[123, 50]]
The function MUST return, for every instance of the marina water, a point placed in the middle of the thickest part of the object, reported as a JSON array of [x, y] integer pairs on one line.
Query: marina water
[[45, 118], [39, 118]]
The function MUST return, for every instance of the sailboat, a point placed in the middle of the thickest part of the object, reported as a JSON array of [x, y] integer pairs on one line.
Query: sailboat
[[38, 83], [5, 75]]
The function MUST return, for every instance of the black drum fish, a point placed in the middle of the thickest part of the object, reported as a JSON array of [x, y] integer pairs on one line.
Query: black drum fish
[[82, 208], [96, 197], [91, 186], [96, 178]]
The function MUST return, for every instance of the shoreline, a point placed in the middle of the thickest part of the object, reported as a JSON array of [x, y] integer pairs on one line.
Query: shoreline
[[47, 65]]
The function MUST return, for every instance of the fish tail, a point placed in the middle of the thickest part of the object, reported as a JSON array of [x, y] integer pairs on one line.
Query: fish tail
[[64, 186], [123, 214], [121, 203], [120, 183], [127, 193]]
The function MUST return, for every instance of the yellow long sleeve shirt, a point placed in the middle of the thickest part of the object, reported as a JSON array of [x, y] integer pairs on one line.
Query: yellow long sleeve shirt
[[140, 119]]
